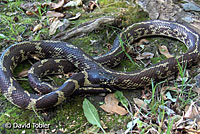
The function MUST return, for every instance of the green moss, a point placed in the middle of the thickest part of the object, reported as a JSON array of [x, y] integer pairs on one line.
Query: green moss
[[23, 81], [106, 2], [113, 7]]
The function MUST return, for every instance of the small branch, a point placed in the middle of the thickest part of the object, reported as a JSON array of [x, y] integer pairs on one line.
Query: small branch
[[85, 28]]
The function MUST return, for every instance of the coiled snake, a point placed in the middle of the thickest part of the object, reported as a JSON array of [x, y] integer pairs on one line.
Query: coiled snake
[[92, 69]]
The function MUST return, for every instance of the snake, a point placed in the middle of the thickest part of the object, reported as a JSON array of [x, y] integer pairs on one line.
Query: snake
[[56, 66], [92, 70]]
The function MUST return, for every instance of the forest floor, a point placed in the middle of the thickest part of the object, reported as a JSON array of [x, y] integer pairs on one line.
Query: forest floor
[[170, 106]]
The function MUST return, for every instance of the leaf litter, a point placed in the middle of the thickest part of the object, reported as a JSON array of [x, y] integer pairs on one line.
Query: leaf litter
[[111, 105]]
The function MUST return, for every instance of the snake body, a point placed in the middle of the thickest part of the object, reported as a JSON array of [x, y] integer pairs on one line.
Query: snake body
[[92, 72], [56, 66]]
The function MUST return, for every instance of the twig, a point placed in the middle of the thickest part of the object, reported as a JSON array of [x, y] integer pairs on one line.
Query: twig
[[85, 28]]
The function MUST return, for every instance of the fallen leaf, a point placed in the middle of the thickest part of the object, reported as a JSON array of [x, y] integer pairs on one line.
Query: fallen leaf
[[163, 50], [90, 7], [140, 103], [192, 111], [78, 2], [167, 110], [37, 27], [53, 27], [145, 55], [191, 7], [70, 4], [54, 14], [75, 17], [31, 7], [74, 3], [169, 96], [57, 5], [165, 88], [111, 105], [65, 25], [196, 89]]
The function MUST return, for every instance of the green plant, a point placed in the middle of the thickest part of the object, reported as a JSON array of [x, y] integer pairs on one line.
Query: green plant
[[184, 84], [41, 11], [122, 44], [11, 26], [124, 51], [169, 127], [91, 114]]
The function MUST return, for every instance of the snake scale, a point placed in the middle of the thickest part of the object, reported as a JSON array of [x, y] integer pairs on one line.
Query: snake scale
[[93, 70]]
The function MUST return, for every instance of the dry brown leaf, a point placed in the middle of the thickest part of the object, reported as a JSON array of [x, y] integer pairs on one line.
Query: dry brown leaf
[[73, 3], [23, 73], [111, 105], [140, 103], [70, 4], [196, 89], [54, 14], [90, 7], [37, 27], [192, 111], [145, 55], [78, 2], [30, 7], [164, 89], [51, 20], [54, 26], [163, 50], [57, 5]]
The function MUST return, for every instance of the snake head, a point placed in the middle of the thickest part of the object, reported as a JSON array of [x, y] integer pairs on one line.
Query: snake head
[[100, 77]]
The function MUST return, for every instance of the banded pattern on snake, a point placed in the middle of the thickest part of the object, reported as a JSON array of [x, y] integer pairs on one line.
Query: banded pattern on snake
[[92, 72]]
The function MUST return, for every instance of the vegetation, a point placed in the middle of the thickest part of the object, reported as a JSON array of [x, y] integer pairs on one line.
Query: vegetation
[[158, 108]]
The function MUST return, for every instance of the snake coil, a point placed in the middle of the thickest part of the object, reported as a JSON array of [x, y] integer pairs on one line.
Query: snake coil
[[93, 70]]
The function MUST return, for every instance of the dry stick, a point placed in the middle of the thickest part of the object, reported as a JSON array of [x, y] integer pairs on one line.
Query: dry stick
[[85, 28]]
